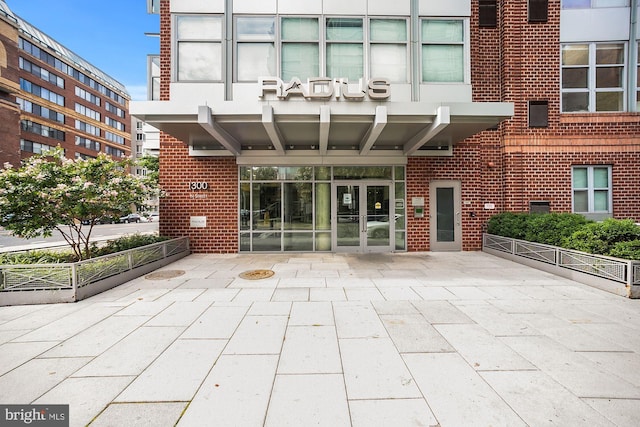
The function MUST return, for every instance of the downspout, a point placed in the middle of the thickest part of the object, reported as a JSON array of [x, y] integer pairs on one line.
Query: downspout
[[414, 42], [633, 57], [228, 50]]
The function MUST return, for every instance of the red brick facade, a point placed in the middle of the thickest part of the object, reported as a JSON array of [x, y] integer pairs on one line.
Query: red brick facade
[[10, 114], [9, 84], [508, 167], [219, 203]]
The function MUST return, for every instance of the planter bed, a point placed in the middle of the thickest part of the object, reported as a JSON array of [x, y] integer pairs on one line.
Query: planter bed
[[69, 282], [615, 275]]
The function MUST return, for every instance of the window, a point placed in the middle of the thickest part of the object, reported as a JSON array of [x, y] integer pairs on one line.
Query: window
[[154, 78], [255, 48], [638, 79], [85, 127], [300, 48], [114, 123], [388, 38], [113, 109], [41, 72], [39, 110], [592, 191], [34, 147], [115, 152], [86, 111], [593, 77], [35, 51], [539, 114], [87, 143], [588, 4], [345, 50], [40, 129], [488, 13], [87, 96], [443, 51], [538, 10], [199, 40], [43, 93], [110, 136]]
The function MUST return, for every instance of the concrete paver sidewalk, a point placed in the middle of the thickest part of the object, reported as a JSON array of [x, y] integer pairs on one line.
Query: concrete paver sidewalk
[[427, 339]]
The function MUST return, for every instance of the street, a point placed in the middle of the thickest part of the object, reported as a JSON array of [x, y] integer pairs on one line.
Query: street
[[99, 232]]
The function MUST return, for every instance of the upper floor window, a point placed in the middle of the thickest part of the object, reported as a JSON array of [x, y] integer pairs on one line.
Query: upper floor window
[[87, 96], [154, 78], [42, 92], [255, 47], [199, 48], [345, 50], [443, 50], [588, 4], [638, 80], [41, 72], [593, 77], [388, 49], [488, 13], [39, 110], [86, 111], [300, 48]]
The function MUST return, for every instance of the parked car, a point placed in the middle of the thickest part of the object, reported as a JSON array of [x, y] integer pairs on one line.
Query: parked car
[[378, 226], [134, 217], [101, 220]]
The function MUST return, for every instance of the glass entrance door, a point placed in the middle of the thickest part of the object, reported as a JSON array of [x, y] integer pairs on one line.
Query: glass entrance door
[[363, 217]]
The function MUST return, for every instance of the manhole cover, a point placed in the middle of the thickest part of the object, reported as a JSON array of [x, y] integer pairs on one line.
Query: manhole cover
[[166, 274], [256, 274]]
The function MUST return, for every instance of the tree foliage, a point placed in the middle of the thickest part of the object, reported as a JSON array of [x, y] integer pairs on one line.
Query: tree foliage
[[49, 192]]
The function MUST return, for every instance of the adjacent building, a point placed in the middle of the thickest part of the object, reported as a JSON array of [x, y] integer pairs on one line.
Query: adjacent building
[[377, 126], [50, 96]]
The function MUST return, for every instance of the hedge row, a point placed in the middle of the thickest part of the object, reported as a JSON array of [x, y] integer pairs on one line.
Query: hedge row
[[43, 256], [611, 237]]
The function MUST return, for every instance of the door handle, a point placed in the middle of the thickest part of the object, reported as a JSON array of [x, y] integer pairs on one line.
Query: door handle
[[364, 224], [458, 215]]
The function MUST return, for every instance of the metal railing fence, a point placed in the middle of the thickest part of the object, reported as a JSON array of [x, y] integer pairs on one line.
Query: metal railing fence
[[616, 269], [72, 276]]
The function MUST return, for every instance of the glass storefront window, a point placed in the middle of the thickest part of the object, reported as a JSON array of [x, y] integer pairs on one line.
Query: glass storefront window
[[362, 172], [290, 208], [266, 207], [298, 206]]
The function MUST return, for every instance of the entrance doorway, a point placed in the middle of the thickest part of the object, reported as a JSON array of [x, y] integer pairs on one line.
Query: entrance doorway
[[363, 217], [445, 213]]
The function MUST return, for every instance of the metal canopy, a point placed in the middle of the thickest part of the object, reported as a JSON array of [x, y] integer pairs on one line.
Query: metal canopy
[[316, 130]]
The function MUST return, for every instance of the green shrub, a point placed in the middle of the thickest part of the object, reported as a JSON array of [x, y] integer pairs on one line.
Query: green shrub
[[601, 237], [128, 242], [553, 228], [626, 250], [38, 257], [550, 229], [42, 256], [508, 224]]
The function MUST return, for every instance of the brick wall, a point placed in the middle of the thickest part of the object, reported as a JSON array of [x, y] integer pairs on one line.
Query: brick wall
[[9, 110], [219, 203], [536, 162], [508, 167]]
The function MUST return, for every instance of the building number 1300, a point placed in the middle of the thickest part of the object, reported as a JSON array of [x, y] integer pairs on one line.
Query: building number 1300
[[196, 185]]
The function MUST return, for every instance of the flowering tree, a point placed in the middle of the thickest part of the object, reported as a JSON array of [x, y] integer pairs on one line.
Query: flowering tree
[[50, 192]]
